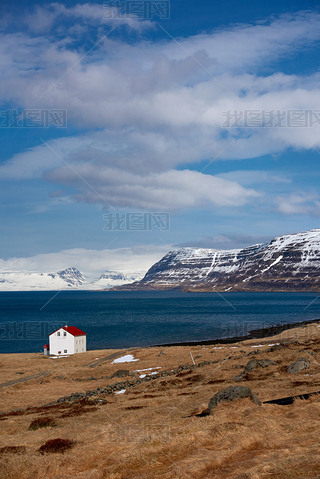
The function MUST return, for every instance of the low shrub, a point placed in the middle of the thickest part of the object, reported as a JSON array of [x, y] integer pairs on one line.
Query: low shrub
[[56, 446], [42, 422]]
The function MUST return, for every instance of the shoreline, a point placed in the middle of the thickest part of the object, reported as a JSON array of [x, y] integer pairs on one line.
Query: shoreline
[[259, 333]]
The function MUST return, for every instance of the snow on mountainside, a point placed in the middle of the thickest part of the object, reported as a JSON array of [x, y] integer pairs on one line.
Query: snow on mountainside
[[287, 263], [110, 279], [67, 279]]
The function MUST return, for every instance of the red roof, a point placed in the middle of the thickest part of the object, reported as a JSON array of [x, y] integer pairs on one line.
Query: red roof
[[72, 330], [46, 346]]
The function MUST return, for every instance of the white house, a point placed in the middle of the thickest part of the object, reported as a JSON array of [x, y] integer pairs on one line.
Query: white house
[[67, 340]]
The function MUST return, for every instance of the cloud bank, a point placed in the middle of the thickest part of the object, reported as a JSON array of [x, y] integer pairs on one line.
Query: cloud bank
[[153, 112]]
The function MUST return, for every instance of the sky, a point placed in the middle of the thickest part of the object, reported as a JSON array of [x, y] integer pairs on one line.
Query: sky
[[130, 128]]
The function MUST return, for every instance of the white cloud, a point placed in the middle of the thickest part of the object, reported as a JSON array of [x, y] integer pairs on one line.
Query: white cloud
[[158, 107], [42, 19], [100, 176], [166, 191], [251, 177], [228, 241], [299, 204]]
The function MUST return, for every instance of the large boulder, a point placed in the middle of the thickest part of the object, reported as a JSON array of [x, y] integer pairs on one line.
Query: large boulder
[[254, 364], [299, 365], [232, 393], [258, 363]]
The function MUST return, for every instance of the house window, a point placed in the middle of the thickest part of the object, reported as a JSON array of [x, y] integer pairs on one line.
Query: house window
[[58, 333], [64, 333], [65, 351]]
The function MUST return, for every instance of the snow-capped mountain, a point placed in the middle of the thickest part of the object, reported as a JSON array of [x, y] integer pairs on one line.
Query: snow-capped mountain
[[67, 279], [287, 263], [110, 279]]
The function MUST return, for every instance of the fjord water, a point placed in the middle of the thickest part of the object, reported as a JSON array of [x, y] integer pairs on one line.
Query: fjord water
[[124, 319]]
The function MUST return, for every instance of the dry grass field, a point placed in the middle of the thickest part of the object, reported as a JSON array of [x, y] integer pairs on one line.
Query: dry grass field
[[153, 429]]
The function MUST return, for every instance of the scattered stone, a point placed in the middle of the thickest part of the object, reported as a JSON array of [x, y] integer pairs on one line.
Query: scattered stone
[[109, 389], [232, 393], [276, 347], [161, 353], [299, 365], [121, 373], [204, 363], [308, 351]]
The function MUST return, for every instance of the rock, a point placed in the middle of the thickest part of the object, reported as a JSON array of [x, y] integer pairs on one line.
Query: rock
[[276, 347], [308, 351], [161, 353], [204, 363], [121, 373], [232, 393], [238, 377], [254, 364], [258, 363], [299, 365]]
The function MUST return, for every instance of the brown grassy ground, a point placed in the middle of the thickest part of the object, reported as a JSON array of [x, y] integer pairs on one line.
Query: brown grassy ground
[[150, 430]]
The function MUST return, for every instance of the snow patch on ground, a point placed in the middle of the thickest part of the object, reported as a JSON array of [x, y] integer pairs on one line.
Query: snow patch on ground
[[122, 391], [128, 358], [148, 369]]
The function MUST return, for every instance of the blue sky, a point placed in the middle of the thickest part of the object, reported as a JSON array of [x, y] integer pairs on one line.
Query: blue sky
[[146, 100]]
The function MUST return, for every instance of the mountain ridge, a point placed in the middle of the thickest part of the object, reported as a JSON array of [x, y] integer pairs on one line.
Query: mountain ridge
[[287, 263]]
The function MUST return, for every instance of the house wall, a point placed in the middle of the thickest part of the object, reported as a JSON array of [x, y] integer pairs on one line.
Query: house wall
[[61, 343], [80, 344]]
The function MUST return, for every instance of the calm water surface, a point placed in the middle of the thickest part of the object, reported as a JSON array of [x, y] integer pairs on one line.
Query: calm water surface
[[123, 319]]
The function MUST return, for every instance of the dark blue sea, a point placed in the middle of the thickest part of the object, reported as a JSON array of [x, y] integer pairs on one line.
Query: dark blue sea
[[124, 319]]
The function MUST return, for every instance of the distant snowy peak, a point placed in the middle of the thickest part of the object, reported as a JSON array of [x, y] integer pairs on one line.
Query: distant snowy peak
[[287, 263], [116, 276], [67, 279], [72, 277], [110, 279]]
